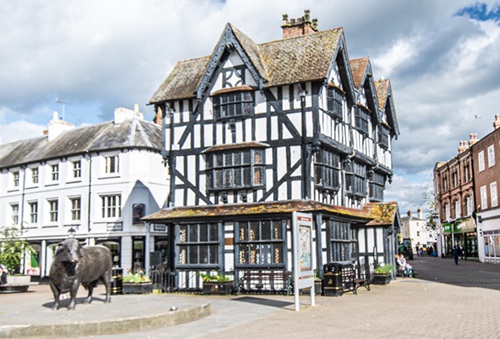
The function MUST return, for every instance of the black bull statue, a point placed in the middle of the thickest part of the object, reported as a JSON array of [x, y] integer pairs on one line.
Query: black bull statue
[[74, 265]]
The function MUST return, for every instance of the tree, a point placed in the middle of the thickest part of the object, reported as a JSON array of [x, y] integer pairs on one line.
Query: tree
[[13, 248], [430, 212]]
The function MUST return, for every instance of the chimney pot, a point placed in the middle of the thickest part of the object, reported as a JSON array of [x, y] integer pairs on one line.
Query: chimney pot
[[300, 26], [496, 123]]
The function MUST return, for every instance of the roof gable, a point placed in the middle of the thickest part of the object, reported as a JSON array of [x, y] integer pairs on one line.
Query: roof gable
[[293, 60], [386, 103], [363, 81]]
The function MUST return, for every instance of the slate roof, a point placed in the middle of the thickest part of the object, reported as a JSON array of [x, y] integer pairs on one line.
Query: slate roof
[[132, 133], [292, 60], [374, 214]]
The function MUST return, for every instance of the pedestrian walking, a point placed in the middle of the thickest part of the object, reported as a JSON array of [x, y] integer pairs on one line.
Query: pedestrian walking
[[455, 255]]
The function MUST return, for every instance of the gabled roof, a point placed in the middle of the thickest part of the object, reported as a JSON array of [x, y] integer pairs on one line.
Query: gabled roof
[[293, 60], [132, 133], [361, 73], [386, 103], [359, 69]]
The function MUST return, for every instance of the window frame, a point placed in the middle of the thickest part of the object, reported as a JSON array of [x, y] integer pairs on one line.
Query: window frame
[[53, 210], [77, 169], [256, 248], [14, 212], [362, 120], [193, 243], [33, 205], [35, 175], [235, 169], [356, 175], [327, 170], [112, 164], [494, 194], [335, 102], [480, 161], [76, 211], [491, 156], [238, 103], [342, 240], [54, 172], [484, 197], [111, 208], [15, 179]]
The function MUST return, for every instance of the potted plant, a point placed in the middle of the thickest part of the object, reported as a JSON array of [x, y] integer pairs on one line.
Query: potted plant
[[136, 283], [13, 250], [382, 274], [216, 284]]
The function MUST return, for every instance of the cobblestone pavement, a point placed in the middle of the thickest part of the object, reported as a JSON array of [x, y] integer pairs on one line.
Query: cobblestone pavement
[[444, 301]]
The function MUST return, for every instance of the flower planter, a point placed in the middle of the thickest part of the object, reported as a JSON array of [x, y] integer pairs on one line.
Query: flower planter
[[137, 288], [381, 279], [225, 287]]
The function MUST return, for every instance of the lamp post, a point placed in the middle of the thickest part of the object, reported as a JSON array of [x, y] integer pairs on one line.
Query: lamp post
[[71, 232]]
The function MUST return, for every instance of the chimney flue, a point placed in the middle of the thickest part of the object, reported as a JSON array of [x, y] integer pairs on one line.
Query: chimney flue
[[299, 26], [496, 123]]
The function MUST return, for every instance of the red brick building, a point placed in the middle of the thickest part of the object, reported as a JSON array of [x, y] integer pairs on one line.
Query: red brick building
[[486, 157], [454, 194]]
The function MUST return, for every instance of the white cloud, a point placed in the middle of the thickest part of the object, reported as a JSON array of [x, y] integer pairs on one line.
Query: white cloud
[[99, 55]]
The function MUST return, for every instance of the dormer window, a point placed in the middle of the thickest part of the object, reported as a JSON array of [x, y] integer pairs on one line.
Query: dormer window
[[362, 117], [334, 100], [232, 103], [383, 137]]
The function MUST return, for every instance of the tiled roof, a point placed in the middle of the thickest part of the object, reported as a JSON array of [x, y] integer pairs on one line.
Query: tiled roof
[[292, 60], [381, 86], [376, 214], [383, 213], [133, 133], [358, 69], [275, 207]]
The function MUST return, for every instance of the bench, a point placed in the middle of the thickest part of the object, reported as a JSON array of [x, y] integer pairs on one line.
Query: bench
[[265, 281], [349, 281]]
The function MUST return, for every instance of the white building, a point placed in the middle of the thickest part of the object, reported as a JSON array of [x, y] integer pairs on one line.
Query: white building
[[94, 183], [415, 228]]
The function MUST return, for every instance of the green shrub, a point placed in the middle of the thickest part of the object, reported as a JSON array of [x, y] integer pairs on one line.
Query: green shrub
[[385, 269]]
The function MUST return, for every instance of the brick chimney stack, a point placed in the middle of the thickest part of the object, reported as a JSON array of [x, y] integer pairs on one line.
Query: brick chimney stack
[[463, 147], [472, 139], [409, 213], [420, 216], [299, 26], [496, 123]]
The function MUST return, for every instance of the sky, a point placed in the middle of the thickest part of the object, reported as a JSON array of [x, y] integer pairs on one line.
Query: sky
[[86, 58]]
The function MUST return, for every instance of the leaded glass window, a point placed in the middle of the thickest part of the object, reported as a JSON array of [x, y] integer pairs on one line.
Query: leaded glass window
[[334, 99], [260, 243], [233, 104], [362, 118], [343, 241], [355, 178], [199, 244], [327, 170], [235, 169]]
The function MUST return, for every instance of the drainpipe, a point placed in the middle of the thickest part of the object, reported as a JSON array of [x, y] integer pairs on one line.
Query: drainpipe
[[90, 193]]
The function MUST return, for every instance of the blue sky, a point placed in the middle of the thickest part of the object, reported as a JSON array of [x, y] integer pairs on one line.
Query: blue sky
[[442, 57]]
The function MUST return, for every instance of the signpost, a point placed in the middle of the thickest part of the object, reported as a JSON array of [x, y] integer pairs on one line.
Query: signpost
[[303, 275]]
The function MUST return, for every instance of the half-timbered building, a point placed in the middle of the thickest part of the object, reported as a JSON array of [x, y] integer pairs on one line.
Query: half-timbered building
[[254, 132]]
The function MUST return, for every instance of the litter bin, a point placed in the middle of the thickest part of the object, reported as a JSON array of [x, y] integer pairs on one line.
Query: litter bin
[[117, 283], [332, 280]]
